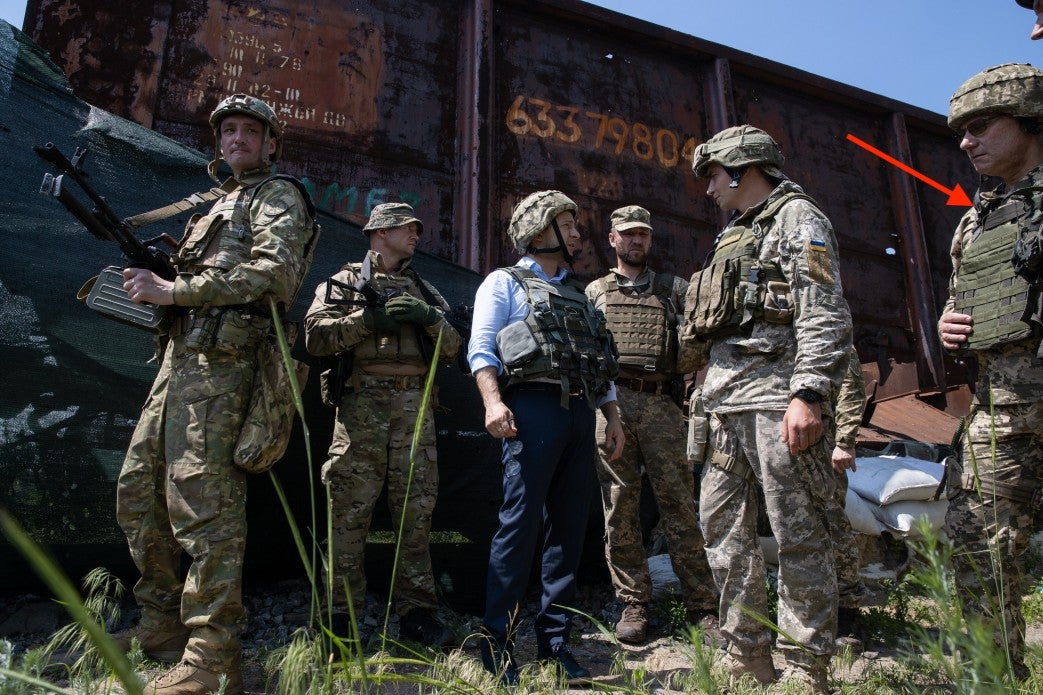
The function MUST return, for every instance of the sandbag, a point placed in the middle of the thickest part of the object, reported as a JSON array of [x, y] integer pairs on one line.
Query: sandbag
[[889, 479]]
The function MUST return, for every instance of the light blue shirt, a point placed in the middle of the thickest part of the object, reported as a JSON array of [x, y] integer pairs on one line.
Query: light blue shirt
[[499, 302]]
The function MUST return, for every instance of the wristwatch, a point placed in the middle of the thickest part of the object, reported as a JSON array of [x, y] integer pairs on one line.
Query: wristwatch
[[808, 396]]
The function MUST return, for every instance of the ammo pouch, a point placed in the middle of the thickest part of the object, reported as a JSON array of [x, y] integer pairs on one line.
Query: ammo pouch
[[730, 295], [268, 424], [104, 293]]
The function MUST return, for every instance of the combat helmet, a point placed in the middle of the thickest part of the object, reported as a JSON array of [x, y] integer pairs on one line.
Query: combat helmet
[[388, 215], [739, 147], [534, 214], [245, 105], [1012, 89]]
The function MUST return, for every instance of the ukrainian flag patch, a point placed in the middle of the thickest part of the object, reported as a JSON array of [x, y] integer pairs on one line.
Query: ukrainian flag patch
[[817, 245]]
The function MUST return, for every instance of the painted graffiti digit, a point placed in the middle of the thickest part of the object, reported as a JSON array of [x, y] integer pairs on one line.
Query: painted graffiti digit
[[600, 137], [570, 125], [667, 159], [642, 143], [548, 125], [618, 129], [518, 122]]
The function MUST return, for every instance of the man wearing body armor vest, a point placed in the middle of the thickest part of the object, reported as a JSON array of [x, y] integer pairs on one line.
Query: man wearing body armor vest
[[994, 312], [769, 314], [543, 360], [1037, 7], [179, 490], [643, 310], [390, 349]]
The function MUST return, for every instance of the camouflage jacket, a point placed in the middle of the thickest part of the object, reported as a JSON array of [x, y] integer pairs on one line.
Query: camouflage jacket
[[851, 401], [645, 281], [218, 265], [331, 329], [762, 369], [1011, 372]]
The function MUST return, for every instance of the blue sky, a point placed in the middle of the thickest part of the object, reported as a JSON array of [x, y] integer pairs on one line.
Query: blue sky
[[916, 51]]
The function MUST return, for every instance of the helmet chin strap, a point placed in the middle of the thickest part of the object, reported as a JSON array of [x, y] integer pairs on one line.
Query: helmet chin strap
[[560, 247]]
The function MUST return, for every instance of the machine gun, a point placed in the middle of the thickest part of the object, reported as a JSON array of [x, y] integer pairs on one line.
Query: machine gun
[[105, 293]]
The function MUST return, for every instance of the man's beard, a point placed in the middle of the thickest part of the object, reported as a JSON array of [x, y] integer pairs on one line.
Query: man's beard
[[630, 260]]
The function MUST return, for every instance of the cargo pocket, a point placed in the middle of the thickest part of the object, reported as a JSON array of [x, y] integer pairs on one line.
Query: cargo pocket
[[778, 303]]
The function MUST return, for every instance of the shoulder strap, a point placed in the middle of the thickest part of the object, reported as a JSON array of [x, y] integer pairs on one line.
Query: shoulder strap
[[183, 205], [773, 208]]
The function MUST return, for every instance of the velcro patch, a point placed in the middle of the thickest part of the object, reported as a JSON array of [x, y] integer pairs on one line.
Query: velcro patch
[[820, 265]]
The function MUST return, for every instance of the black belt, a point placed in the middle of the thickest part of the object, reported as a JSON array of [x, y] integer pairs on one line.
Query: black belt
[[544, 386], [644, 385]]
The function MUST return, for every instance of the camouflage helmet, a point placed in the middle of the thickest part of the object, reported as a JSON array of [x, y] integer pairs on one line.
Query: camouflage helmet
[[1012, 89], [738, 147], [389, 215], [535, 213], [246, 105]]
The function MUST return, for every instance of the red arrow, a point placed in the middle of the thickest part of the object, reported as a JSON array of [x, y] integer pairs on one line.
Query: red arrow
[[956, 195]]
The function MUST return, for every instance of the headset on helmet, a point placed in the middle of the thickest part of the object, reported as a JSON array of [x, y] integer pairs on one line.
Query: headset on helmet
[[738, 147], [1011, 89], [534, 214], [245, 105]]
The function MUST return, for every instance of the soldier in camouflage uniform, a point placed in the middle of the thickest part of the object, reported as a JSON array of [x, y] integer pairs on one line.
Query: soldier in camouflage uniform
[[178, 490], [643, 310], [390, 347], [850, 403], [994, 312], [769, 313], [1037, 7]]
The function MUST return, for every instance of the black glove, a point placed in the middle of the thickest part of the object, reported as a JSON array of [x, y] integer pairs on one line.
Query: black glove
[[406, 308]]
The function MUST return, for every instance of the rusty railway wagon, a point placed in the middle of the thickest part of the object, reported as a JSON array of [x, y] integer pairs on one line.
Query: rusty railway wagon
[[462, 107]]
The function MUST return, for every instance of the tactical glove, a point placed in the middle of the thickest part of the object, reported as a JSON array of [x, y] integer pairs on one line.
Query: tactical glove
[[376, 319], [408, 309]]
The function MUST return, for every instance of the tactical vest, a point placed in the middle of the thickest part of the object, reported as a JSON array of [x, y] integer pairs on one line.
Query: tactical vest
[[737, 288], [999, 300], [643, 324], [563, 338], [403, 345]]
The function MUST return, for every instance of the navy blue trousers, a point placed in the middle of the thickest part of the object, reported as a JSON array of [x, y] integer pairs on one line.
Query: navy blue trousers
[[548, 485]]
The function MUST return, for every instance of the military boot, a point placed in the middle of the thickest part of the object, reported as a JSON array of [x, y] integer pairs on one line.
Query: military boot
[[633, 624], [189, 679], [422, 626], [849, 629], [760, 666], [163, 644], [706, 620], [805, 674]]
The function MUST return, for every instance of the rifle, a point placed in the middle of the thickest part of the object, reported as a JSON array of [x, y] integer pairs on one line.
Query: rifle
[[106, 293]]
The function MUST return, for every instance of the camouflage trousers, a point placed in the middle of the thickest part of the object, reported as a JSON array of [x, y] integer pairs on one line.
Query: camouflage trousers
[[372, 437], [655, 430], [796, 489], [179, 491], [988, 526], [845, 550]]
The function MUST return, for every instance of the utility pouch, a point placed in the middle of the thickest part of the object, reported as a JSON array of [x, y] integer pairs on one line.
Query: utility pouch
[[517, 345], [104, 293], [778, 303], [698, 428], [268, 424], [333, 381], [238, 331]]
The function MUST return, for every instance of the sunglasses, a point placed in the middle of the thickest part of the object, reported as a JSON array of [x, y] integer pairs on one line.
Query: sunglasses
[[978, 126]]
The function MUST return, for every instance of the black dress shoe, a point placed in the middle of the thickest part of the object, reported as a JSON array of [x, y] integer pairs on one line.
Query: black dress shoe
[[562, 657], [498, 661]]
